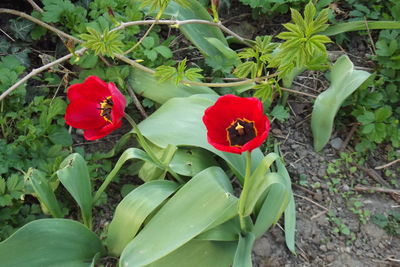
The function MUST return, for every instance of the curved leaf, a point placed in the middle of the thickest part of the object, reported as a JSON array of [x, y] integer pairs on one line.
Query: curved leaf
[[243, 251], [147, 85], [344, 81], [133, 210], [197, 33], [74, 175], [196, 206], [44, 192], [274, 204], [359, 26], [191, 161], [50, 242]]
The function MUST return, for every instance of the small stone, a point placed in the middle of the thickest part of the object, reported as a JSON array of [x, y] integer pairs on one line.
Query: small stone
[[369, 254], [336, 143], [323, 248], [381, 246], [346, 188], [330, 245], [276, 131], [330, 258], [318, 197]]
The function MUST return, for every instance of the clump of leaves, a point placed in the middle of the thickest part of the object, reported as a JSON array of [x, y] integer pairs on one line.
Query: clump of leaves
[[178, 74], [389, 222], [256, 58], [107, 43], [303, 47]]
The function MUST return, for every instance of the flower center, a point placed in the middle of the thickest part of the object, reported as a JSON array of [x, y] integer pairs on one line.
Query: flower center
[[106, 108], [240, 132]]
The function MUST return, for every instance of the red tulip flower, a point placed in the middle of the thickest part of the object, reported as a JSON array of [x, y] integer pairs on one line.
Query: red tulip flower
[[236, 124], [96, 107]]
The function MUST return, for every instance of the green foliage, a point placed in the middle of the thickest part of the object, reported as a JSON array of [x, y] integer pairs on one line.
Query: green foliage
[[257, 58], [178, 74], [280, 113], [273, 7], [303, 47], [107, 43], [389, 222]]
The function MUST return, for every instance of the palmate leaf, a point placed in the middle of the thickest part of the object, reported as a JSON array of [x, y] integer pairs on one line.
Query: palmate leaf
[[301, 44]]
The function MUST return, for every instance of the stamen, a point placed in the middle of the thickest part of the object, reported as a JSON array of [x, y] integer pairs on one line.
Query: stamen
[[240, 129], [105, 108]]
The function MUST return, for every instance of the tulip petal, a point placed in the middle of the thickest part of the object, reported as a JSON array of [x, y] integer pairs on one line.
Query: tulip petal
[[84, 114], [93, 88], [94, 134]]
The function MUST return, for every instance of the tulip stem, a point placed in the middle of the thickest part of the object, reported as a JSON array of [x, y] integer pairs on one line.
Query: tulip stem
[[142, 141], [245, 221]]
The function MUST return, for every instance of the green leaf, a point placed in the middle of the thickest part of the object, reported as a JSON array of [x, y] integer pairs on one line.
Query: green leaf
[[177, 120], [280, 113], [244, 250], [53, 9], [383, 113], [148, 86], [190, 161], [2, 186], [164, 51], [274, 204], [196, 33], [60, 136], [74, 175], [174, 224], [57, 107], [359, 26], [199, 253], [148, 42], [256, 185], [133, 210], [50, 242], [344, 81], [290, 211], [21, 28], [366, 118], [44, 192]]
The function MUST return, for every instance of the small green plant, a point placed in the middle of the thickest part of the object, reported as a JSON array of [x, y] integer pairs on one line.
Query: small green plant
[[389, 222]]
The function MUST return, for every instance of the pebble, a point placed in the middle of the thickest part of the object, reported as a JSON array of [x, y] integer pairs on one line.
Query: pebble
[[336, 143], [330, 258], [323, 248], [318, 197], [330, 245], [346, 188]]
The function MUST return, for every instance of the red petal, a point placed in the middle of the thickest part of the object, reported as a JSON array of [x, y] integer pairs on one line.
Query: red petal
[[94, 134], [93, 88], [119, 102], [84, 114]]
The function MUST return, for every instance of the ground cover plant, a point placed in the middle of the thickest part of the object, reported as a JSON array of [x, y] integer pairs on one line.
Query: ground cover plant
[[215, 162]]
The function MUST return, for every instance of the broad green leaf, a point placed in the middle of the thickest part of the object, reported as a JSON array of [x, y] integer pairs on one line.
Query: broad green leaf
[[60, 136], [147, 85], [44, 192], [179, 122], [74, 175], [344, 81], [196, 206], [274, 204], [190, 161], [196, 33], [50, 242], [133, 210], [199, 253], [359, 26], [228, 231], [255, 187], [243, 251], [290, 211]]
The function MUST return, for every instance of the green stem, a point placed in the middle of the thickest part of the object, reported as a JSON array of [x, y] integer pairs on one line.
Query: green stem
[[149, 151], [244, 220]]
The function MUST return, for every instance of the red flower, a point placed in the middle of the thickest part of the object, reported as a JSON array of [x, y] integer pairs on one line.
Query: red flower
[[95, 106], [236, 124]]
